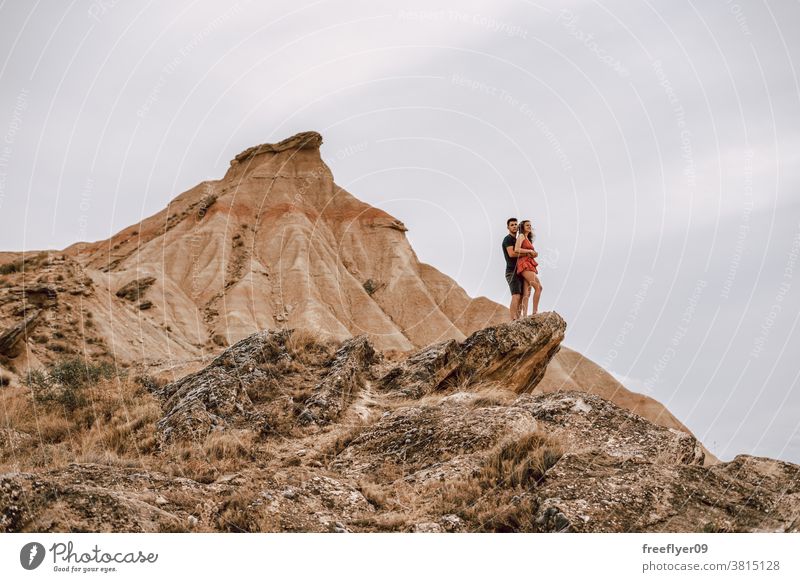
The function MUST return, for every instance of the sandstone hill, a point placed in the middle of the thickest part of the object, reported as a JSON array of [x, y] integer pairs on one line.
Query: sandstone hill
[[274, 244], [285, 432]]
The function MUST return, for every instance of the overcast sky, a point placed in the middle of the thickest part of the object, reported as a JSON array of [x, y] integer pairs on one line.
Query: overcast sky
[[655, 146]]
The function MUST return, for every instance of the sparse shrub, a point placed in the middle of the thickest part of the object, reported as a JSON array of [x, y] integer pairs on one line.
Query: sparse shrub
[[493, 396], [64, 382], [299, 341], [135, 290], [149, 383], [8, 268], [370, 286], [20, 265], [60, 347], [4, 380]]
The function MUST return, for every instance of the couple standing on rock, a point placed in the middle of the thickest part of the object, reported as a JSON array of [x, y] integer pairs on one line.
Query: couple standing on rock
[[521, 271]]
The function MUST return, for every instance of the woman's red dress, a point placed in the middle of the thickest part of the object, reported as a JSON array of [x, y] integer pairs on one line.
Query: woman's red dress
[[527, 262]]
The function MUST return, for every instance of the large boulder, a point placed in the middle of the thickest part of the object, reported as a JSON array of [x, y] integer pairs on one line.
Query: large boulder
[[512, 355], [216, 396]]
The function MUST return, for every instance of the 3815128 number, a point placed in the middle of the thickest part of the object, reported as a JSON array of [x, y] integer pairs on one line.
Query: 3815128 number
[[754, 565]]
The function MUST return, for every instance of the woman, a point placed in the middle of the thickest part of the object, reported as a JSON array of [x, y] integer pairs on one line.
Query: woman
[[526, 267]]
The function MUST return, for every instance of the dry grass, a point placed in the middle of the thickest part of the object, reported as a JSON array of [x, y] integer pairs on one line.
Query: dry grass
[[236, 514], [221, 452], [113, 421], [374, 494], [522, 462], [341, 441], [493, 395], [228, 445], [386, 522], [309, 348], [300, 341], [483, 395], [498, 497], [239, 513], [460, 381]]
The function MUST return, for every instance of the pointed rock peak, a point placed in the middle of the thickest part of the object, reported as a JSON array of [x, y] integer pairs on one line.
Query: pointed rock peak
[[306, 140]]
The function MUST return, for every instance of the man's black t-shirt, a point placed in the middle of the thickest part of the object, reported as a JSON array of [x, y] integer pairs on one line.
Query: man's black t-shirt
[[511, 262]]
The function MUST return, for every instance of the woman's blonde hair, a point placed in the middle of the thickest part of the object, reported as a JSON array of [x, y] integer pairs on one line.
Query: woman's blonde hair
[[531, 235]]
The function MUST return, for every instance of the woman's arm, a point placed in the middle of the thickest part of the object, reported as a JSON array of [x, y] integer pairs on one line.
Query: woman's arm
[[518, 247]]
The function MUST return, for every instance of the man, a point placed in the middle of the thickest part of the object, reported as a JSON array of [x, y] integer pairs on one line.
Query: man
[[513, 280]]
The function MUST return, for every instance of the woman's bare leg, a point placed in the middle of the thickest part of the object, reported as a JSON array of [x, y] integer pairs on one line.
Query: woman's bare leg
[[537, 294], [531, 280], [526, 294]]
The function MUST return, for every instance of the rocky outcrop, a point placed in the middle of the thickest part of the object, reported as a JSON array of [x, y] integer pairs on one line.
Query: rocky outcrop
[[585, 420], [597, 492], [429, 442], [570, 370], [513, 355], [299, 141], [342, 383], [97, 498], [423, 371], [533, 462], [282, 432], [135, 290], [215, 397], [11, 338]]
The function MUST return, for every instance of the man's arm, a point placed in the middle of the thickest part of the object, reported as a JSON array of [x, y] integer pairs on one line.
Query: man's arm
[[511, 252]]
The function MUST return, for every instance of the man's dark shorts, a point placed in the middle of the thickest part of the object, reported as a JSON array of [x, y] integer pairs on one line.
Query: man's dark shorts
[[514, 283]]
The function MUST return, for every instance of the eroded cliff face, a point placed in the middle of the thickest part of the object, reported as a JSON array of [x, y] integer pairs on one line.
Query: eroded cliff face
[[286, 432]]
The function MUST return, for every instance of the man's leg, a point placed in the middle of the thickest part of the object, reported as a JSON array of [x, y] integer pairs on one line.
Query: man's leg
[[520, 282], [515, 305], [516, 292]]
